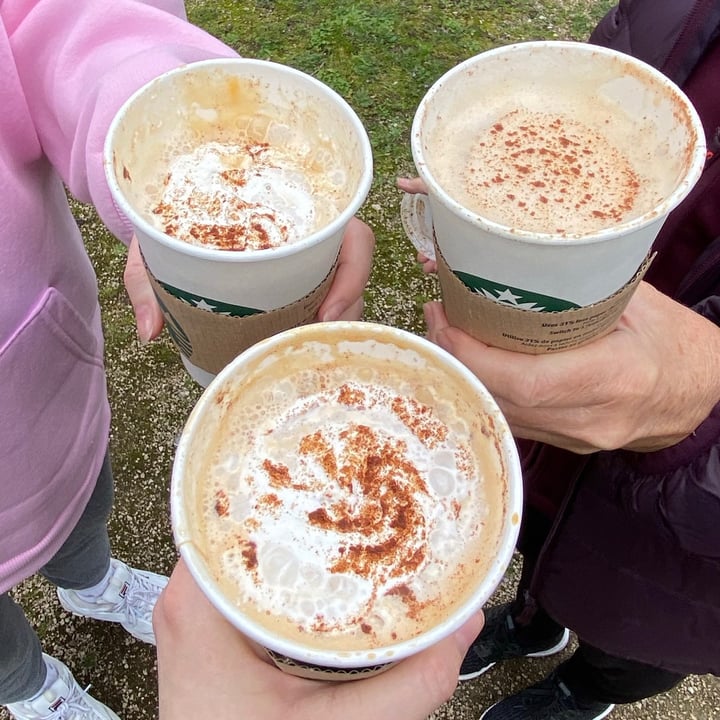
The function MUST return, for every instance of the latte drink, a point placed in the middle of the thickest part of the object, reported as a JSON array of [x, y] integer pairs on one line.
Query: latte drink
[[239, 177], [546, 172], [234, 172], [247, 193], [550, 168], [349, 490], [248, 196]]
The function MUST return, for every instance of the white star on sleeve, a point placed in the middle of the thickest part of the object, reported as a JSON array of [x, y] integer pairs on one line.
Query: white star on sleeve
[[506, 296]]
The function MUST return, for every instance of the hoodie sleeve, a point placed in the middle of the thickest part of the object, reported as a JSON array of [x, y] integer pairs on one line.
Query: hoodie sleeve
[[79, 60]]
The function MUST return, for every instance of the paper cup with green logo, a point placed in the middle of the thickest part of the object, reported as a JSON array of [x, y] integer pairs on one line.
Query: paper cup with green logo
[[540, 240], [346, 494], [217, 302]]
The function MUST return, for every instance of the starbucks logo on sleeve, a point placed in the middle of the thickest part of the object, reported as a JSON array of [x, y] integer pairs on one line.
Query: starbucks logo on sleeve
[[513, 296]]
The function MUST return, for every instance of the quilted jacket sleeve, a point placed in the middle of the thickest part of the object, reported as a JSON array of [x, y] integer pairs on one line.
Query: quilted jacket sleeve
[[649, 40]]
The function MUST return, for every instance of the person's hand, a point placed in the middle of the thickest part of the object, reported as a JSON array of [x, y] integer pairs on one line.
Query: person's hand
[[344, 301], [413, 186], [644, 386], [148, 316], [208, 669]]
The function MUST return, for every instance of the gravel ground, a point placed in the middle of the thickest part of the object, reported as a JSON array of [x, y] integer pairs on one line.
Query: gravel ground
[[151, 397]]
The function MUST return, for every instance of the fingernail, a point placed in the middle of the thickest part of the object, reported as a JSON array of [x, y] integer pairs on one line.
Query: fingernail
[[438, 334], [443, 340], [429, 314], [332, 313], [144, 325]]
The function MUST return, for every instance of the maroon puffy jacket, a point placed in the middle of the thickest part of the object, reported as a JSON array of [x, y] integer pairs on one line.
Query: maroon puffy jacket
[[632, 564]]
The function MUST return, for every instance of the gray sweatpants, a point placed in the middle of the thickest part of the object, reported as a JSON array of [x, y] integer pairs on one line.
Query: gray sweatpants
[[81, 562]]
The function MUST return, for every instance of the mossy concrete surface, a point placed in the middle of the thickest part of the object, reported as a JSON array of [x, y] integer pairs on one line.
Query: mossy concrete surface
[[381, 56]]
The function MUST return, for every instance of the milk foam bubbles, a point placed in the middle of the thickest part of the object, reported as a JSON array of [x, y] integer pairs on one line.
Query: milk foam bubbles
[[240, 197]]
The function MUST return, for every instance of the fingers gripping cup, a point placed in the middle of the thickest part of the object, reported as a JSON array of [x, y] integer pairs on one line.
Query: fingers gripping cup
[[239, 177], [346, 494], [550, 168]]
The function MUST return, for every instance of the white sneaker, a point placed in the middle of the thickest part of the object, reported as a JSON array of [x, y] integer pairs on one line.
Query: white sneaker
[[63, 700], [129, 600]]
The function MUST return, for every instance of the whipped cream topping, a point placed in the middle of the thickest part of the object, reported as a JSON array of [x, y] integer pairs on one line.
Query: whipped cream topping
[[239, 197]]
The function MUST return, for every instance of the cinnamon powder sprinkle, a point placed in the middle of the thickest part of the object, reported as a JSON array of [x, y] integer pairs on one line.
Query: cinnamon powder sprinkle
[[351, 396], [270, 501], [384, 508], [317, 447], [412, 605], [420, 421], [280, 477], [239, 235], [279, 474], [371, 498], [249, 553], [584, 173], [222, 503]]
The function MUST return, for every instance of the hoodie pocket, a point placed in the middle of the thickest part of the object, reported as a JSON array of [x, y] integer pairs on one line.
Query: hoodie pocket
[[54, 422]]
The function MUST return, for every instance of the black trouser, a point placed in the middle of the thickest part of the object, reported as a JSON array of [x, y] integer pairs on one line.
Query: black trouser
[[590, 674]]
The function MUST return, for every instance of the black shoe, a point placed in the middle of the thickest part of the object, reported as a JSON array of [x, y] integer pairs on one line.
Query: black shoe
[[498, 641], [548, 700]]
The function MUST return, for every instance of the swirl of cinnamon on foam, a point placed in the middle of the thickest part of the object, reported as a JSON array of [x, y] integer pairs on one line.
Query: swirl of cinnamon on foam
[[352, 501]]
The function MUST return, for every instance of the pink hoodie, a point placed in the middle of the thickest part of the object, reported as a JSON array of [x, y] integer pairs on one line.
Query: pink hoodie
[[66, 66]]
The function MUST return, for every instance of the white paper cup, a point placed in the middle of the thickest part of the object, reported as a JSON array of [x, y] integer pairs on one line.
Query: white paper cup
[[229, 101], [635, 108], [472, 524]]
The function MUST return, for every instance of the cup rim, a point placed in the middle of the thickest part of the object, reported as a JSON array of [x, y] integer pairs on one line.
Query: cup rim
[[661, 210], [218, 254], [348, 659]]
